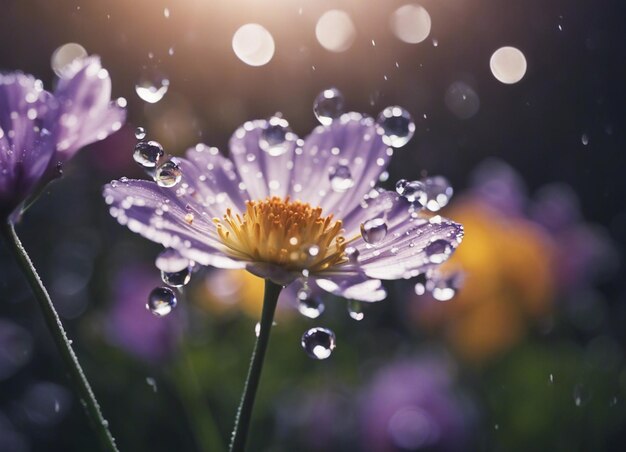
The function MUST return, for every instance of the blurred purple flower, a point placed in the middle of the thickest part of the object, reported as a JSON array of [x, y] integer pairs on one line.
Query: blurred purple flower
[[39, 130], [242, 212], [412, 405], [130, 326]]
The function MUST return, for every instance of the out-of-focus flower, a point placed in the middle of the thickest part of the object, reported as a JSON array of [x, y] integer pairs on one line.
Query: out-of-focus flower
[[40, 131], [414, 405], [130, 326], [285, 208], [514, 267]]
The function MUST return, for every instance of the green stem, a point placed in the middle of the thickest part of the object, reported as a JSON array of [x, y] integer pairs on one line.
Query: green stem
[[80, 383], [244, 413]]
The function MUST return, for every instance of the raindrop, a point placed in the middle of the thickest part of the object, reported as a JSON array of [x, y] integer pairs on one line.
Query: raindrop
[[274, 137], [177, 279], [152, 87], [168, 174], [584, 139], [148, 153], [328, 106], [421, 283], [257, 328], [438, 192], [152, 383], [412, 191], [374, 231], [140, 133], [161, 301], [352, 254], [318, 343], [438, 251], [309, 306], [355, 310], [551, 378], [398, 126], [340, 178], [443, 289]]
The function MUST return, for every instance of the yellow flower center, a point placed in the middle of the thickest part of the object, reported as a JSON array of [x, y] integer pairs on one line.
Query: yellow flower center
[[291, 234]]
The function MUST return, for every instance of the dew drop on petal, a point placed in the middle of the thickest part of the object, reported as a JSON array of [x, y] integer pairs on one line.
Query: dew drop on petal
[[140, 133], [161, 301], [438, 192], [328, 105], [352, 254], [397, 125], [355, 310], [374, 231], [168, 174], [309, 305], [413, 191], [148, 153], [340, 178], [170, 260], [420, 284], [177, 279], [152, 86], [273, 139], [443, 289], [438, 251], [318, 343]]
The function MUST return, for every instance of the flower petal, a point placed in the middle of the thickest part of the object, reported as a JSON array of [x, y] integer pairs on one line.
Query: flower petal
[[262, 173], [163, 217], [86, 113], [353, 142], [26, 146], [356, 286]]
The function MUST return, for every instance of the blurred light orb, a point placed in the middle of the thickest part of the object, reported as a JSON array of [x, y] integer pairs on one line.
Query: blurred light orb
[[335, 31], [65, 55], [462, 100], [508, 65], [253, 44], [411, 23], [152, 86]]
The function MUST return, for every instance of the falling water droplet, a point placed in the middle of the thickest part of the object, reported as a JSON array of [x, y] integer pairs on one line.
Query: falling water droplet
[[420, 284], [177, 279], [340, 178], [438, 251], [152, 383], [274, 137], [168, 174], [438, 192], [374, 231], [148, 153], [328, 106], [584, 139], [397, 125], [318, 343], [140, 133], [161, 301], [443, 289], [355, 310], [309, 305], [152, 87]]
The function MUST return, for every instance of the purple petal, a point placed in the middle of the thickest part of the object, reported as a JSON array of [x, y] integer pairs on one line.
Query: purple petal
[[86, 113], [352, 142], [354, 286], [26, 147], [174, 221], [412, 244]]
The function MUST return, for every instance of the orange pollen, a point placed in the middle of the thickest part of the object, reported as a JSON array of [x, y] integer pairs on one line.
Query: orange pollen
[[291, 234]]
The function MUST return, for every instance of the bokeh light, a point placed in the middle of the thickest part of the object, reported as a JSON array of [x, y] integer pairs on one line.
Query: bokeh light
[[411, 23], [64, 55], [253, 44], [335, 31], [508, 65]]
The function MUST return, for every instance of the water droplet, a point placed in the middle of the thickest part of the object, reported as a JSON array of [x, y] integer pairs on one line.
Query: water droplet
[[420, 284], [374, 231], [313, 250], [340, 178], [309, 306], [412, 191], [398, 126], [148, 153], [170, 260], [161, 301], [177, 279], [140, 133], [438, 251], [581, 395], [438, 192], [328, 106], [152, 87], [168, 174], [443, 289], [584, 139], [152, 383], [355, 310], [352, 254], [551, 378], [274, 137], [318, 343]]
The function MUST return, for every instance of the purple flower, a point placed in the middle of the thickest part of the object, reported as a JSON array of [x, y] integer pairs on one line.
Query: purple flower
[[289, 208], [412, 405], [39, 130], [131, 326]]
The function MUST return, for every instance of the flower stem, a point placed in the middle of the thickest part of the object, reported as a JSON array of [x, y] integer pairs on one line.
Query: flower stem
[[80, 383], [244, 413]]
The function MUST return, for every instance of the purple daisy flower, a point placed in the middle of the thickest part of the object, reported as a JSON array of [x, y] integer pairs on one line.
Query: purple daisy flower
[[39, 130], [288, 208]]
